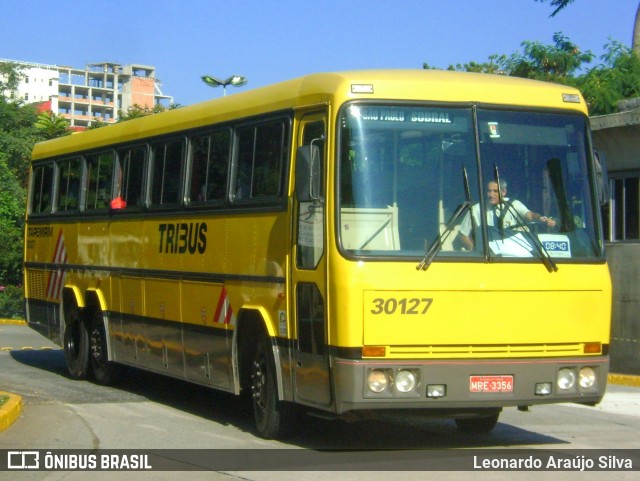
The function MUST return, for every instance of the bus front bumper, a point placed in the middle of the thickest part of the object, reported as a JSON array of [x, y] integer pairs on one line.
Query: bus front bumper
[[467, 383]]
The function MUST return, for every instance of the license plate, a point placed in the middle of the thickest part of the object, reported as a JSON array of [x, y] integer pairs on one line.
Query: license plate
[[491, 384]]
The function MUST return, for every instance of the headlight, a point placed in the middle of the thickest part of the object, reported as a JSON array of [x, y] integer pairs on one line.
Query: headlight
[[377, 381], [566, 379], [543, 388], [436, 390], [587, 377], [405, 381]]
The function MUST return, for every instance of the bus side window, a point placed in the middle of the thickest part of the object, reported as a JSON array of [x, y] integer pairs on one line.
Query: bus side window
[[70, 173], [210, 161], [130, 172], [99, 177], [42, 189], [260, 161], [168, 158]]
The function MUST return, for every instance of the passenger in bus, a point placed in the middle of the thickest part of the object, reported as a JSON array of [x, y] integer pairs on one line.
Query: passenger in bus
[[497, 210]]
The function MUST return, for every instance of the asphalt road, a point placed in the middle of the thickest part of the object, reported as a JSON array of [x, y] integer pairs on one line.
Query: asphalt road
[[147, 411]]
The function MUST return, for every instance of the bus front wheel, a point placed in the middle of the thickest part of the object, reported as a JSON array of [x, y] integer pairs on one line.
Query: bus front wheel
[[268, 411], [76, 344]]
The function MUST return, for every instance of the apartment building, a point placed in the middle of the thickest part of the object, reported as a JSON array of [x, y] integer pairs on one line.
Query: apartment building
[[93, 94]]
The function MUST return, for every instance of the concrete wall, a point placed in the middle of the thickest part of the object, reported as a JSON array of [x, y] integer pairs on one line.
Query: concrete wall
[[624, 263]]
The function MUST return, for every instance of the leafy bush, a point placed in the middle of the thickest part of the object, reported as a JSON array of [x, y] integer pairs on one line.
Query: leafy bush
[[12, 302]]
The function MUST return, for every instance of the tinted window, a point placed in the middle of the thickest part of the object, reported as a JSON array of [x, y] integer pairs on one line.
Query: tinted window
[[69, 177], [261, 153], [209, 167], [130, 176], [167, 169], [99, 180], [42, 189]]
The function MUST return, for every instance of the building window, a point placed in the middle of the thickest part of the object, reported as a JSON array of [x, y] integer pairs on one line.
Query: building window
[[622, 215]]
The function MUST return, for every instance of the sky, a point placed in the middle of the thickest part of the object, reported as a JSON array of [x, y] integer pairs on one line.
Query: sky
[[268, 41]]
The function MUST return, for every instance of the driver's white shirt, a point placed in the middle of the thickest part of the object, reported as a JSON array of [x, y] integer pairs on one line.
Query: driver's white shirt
[[494, 212]]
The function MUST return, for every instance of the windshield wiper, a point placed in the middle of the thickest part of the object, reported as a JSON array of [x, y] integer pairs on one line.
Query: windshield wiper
[[437, 243], [435, 246], [543, 254]]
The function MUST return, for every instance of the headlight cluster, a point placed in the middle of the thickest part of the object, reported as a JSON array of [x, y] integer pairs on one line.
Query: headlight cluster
[[585, 377], [401, 381]]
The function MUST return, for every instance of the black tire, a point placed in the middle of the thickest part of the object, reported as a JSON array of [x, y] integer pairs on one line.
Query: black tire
[[76, 344], [478, 425], [104, 371], [269, 413]]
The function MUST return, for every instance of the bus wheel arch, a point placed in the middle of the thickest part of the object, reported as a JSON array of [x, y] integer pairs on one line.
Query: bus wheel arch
[[259, 376], [104, 371], [75, 337], [250, 326]]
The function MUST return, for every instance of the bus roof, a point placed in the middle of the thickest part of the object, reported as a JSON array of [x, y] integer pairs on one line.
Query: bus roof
[[325, 88]]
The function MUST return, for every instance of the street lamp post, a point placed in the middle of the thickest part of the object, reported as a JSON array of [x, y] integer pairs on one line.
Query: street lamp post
[[235, 80]]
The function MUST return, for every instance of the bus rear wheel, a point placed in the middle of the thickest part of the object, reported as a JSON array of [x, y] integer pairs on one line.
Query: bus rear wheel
[[76, 344], [268, 411], [104, 371]]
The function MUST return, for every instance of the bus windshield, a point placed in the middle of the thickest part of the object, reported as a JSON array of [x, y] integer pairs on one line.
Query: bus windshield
[[404, 171]]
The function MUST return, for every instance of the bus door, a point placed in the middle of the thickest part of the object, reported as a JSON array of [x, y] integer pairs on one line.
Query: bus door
[[312, 383]]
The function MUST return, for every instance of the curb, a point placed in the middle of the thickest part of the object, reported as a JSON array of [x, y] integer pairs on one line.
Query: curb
[[624, 380], [16, 322], [10, 409]]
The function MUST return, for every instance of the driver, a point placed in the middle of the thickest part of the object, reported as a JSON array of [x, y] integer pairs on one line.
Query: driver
[[496, 210]]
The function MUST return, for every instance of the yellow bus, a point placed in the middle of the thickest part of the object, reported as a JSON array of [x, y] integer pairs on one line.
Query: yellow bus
[[318, 245]]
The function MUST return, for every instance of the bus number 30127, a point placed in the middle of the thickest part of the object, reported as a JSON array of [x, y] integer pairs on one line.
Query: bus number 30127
[[403, 305]]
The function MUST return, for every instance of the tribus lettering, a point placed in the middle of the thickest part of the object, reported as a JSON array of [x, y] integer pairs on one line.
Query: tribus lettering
[[182, 238]]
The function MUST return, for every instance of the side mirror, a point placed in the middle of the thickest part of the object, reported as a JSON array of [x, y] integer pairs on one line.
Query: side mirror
[[308, 173]]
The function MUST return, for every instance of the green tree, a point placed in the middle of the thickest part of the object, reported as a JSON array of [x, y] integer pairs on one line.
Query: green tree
[[97, 124], [615, 79], [12, 204], [136, 111], [17, 137], [495, 65], [558, 4], [10, 76], [562, 4], [18, 134], [554, 63], [52, 125]]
